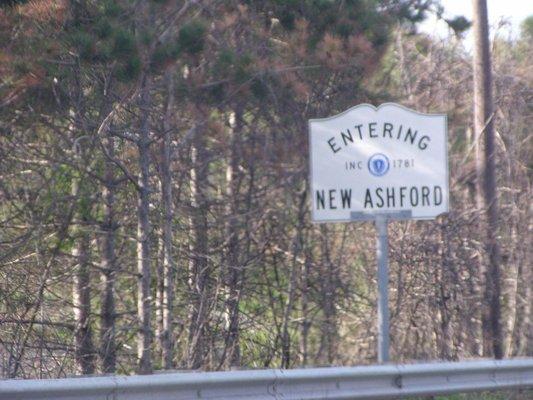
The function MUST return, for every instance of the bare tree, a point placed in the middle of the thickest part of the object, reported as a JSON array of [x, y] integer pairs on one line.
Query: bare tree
[[81, 291], [85, 355], [166, 294], [144, 299], [108, 264], [234, 271], [200, 271]]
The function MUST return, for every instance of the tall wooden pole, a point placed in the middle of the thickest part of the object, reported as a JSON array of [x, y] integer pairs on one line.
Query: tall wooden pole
[[484, 128]]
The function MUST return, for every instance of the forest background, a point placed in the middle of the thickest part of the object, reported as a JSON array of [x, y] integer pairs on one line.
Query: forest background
[[154, 204]]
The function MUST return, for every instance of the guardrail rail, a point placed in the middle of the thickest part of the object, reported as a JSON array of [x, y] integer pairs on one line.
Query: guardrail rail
[[364, 382]]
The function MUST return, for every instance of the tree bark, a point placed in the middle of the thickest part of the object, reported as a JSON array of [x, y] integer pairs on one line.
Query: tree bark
[[166, 293], [444, 285], [523, 326], [199, 267], [144, 299], [304, 301], [233, 268], [293, 282], [81, 293], [108, 265], [484, 119]]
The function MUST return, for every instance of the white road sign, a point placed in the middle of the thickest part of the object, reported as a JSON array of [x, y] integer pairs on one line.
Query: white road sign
[[369, 161]]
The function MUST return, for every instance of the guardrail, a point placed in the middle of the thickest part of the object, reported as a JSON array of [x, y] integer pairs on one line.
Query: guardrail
[[365, 382]]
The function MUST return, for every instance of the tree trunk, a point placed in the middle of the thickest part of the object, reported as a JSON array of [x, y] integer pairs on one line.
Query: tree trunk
[[233, 268], [108, 265], [84, 347], [293, 279], [166, 294], [199, 266], [304, 301], [108, 268], [444, 286], [483, 114], [523, 327], [144, 299], [474, 341]]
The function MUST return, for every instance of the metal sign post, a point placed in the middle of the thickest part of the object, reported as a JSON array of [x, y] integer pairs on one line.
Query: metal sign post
[[382, 257], [381, 221]]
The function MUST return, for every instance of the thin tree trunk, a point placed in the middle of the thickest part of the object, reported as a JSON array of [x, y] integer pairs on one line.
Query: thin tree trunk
[[293, 279], [444, 285], [199, 266], [523, 327], [513, 253], [108, 265], [84, 348], [483, 111], [144, 299], [160, 290], [405, 75], [475, 306], [169, 267], [304, 300], [233, 269]]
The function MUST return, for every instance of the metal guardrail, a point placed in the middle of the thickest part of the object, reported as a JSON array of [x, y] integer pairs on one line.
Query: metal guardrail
[[365, 382]]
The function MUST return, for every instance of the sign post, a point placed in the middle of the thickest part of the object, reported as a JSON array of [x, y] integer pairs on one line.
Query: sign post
[[379, 164], [382, 256]]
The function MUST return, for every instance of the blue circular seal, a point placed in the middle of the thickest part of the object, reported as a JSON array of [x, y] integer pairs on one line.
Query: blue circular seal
[[378, 164]]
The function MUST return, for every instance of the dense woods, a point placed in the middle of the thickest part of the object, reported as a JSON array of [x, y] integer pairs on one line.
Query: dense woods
[[154, 205]]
